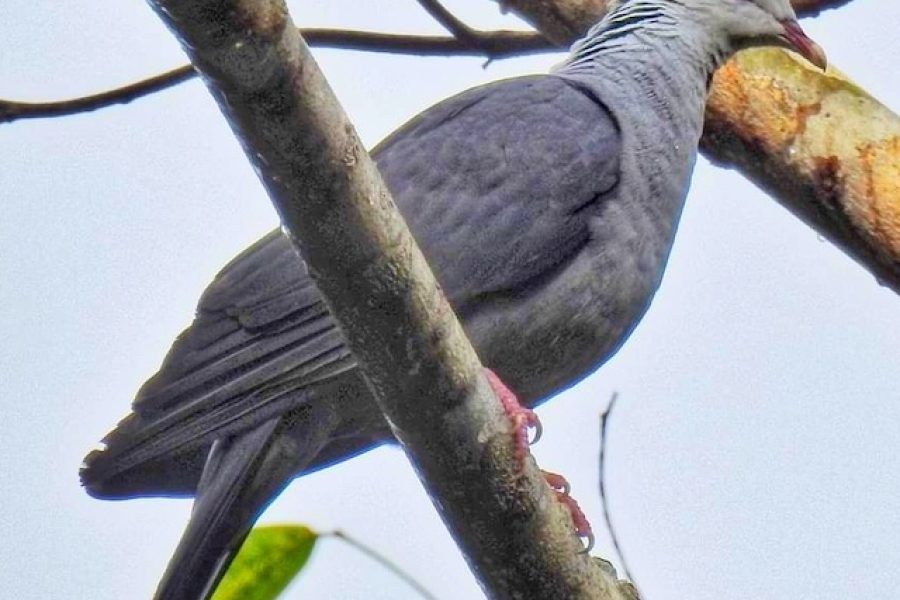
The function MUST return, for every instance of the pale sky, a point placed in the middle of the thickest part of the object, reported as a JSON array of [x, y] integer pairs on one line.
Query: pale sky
[[753, 454]]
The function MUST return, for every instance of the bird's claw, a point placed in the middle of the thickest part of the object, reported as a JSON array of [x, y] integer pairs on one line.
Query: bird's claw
[[557, 482], [522, 418], [561, 488], [535, 423]]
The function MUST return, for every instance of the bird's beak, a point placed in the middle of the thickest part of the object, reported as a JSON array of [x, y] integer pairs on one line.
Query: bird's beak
[[795, 39]]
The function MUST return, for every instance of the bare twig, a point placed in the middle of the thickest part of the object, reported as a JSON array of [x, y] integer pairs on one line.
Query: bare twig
[[604, 421], [490, 44], [11, 110], [382, 560], [448, 21], [812, 8]]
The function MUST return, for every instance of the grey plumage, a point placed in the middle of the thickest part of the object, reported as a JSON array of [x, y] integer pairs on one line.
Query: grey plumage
[[546, 206]]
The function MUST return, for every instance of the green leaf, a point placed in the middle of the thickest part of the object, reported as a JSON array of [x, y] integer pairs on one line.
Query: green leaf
[[270, 558]]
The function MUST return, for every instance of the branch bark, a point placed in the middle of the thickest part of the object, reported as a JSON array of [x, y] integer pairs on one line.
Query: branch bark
[[817, 143], [422, 370]]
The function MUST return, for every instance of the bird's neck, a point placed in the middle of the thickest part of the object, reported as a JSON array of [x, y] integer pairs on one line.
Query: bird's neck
[[655, 60], [656, 42], [651, 67]]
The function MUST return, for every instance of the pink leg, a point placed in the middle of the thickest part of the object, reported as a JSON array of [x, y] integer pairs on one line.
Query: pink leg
[[522, 418]]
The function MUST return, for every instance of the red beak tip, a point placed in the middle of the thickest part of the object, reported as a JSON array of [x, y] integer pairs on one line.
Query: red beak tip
[[803, 45]]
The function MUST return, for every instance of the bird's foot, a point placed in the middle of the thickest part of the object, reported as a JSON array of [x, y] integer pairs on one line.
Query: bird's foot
[[522, 418], [561, 488]]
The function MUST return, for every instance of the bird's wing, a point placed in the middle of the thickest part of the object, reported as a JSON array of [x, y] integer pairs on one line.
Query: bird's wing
[[261, 339], [261, 320], [496, 184]]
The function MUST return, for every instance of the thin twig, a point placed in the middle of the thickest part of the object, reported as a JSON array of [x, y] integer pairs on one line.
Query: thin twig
[[485, 40], [448, 21], [10, 110], [604, 420], [382, 560], [501, 43], [812, 8], [492, 44]]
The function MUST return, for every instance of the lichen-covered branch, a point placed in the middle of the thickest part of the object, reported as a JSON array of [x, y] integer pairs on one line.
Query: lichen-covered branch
[[422, 370], [820, 145]]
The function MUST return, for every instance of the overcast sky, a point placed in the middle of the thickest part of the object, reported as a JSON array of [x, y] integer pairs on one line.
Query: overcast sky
[[754, 451]]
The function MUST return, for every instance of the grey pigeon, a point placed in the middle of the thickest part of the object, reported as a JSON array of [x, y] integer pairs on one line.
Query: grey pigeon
[[546, 206]]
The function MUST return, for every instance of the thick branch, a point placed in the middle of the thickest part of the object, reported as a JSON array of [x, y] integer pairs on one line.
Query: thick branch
[[422, 370], [489, 44], [821, 146]]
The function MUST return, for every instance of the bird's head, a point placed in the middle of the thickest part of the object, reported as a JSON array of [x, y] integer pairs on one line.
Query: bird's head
[[743, 23], [749, 23]]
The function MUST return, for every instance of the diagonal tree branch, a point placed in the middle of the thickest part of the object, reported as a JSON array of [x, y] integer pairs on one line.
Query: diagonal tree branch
[[421, 369], [489, 44], [816, 142]]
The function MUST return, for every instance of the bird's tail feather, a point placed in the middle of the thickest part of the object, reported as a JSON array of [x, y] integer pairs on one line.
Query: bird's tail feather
[[243, 473]]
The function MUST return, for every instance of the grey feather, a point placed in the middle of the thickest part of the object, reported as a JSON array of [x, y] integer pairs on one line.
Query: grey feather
[[546, 206]]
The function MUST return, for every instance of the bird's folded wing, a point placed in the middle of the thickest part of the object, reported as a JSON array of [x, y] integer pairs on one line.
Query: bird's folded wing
[[498, 183], [261, 337]]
